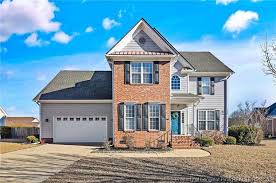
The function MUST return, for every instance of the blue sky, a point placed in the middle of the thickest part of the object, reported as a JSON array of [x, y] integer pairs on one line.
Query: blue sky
[[41, 37]]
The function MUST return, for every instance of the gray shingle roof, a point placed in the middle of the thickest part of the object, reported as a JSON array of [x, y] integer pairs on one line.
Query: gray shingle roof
[[271, 110], [205, 62], [78, 85]]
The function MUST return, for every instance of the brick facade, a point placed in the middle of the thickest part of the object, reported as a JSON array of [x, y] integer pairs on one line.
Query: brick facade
[[140, 94]]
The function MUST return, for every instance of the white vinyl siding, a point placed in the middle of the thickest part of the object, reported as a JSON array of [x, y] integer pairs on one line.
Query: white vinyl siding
[[134, 45]]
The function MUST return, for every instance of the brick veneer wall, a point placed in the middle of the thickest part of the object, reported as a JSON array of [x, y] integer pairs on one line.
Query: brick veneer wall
[[140, 93]]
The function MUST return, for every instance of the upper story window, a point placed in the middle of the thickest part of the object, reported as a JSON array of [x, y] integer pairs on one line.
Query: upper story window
[[206, 85], [141, 72], [175, 83]]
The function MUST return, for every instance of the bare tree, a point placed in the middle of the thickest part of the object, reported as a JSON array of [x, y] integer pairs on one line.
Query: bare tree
[[269, 58]]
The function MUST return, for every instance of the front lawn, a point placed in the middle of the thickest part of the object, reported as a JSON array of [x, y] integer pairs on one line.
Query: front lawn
[[232, 163], [9, 147]]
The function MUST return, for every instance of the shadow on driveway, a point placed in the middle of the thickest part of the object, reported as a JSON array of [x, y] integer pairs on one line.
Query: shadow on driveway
[[135, 170]]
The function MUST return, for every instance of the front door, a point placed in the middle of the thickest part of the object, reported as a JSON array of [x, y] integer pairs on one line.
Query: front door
[[175, 122]]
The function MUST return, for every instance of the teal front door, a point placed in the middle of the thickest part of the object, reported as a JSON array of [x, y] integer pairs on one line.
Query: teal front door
[[175, 122]]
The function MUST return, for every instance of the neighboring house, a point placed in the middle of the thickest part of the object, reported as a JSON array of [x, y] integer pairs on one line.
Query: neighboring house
[[3, 116], [21, 122], [271, 116], [152, 91]]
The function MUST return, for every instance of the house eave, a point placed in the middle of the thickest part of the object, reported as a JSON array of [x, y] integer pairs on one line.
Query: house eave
[[75, 101], [139, 57]]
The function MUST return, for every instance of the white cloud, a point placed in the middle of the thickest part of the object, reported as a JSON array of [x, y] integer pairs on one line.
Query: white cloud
[[109, 23], [6, 73], [255, 1], [21, 17], [121, 12], [62, 37], [41, 76], [33, 41], [225, 2], [89, 29], [240, 20], [245, 58], [110, 42], [3, 50]]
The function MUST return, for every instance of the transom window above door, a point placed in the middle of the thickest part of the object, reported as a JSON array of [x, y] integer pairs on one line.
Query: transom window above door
[[141, 72], [175, 83]]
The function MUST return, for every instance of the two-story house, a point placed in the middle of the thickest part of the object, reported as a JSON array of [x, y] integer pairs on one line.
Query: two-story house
[[153, 93]]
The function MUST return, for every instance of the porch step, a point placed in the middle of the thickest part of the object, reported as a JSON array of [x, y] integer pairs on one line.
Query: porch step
[[183, 142]]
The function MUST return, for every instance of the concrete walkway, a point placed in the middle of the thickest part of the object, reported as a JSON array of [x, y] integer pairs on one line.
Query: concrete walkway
[[38, 163], [180, 153]]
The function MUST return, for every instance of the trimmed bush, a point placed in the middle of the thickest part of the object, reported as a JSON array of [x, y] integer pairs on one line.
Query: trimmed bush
[[230, 140], [204, 141], [32, 139], [217, 136], [5, 132], [246, 134]]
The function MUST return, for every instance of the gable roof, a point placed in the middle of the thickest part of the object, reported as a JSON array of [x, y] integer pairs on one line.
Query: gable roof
[[2, 112], [78, 85], [205, 62], [271, 110]]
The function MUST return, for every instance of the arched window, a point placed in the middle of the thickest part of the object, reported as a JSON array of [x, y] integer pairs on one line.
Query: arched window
[[175, 83]]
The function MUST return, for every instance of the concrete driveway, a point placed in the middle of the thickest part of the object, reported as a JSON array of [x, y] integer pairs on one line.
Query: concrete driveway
[[38, 163]]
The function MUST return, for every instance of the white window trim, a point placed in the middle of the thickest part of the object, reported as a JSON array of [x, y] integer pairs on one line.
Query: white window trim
[[210, 88], [142, 72], [179, 83], [125, 129], [149, 129], [206, 119]]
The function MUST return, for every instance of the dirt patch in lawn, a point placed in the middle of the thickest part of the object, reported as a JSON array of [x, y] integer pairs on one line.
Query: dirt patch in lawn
[[9, 147], [226, 164]]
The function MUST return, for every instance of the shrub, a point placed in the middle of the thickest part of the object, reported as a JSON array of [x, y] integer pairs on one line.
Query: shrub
[[246, 134], [5, 132], [32, 139], [217, 136], [129, 140], [230, 140], [106, 145], [204, 141]]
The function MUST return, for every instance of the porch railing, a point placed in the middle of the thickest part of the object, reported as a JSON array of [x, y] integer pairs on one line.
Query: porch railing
[[162, 140]]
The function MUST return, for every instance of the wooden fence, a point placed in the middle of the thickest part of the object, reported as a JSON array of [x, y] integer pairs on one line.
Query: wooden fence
[[21, 133], [18, 132]]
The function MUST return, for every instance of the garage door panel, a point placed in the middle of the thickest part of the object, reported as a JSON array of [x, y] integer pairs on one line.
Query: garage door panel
[[80, 131]]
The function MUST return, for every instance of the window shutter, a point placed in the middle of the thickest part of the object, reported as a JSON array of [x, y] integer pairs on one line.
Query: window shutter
[[145, 117], [138, 117], [199, 86], [217, 125], [127, 72], [212, 85], [162, 117], [156, 72], [121, 117]]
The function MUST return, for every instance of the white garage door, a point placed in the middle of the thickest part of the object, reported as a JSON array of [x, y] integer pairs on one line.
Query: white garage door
[[80, 129]]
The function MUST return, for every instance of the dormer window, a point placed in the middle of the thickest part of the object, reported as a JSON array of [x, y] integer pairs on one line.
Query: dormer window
[[175, 82]]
